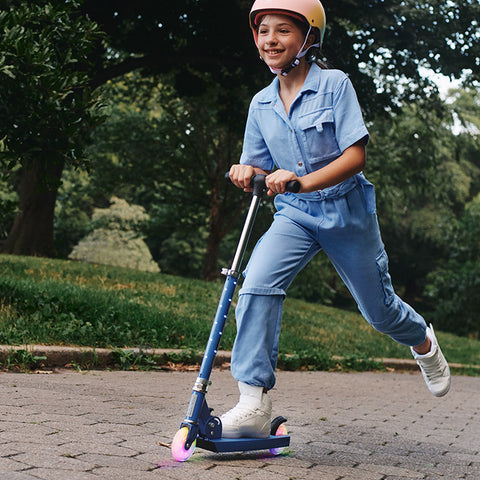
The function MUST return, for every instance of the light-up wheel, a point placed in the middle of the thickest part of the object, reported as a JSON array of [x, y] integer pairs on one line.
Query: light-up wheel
[[281, 430], [178, 446]]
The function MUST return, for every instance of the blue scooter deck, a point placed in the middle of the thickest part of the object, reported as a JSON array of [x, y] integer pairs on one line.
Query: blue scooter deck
[[243, 444]]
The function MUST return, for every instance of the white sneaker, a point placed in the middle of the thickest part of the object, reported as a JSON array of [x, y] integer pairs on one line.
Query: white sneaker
[[250, 417], [434, 367]]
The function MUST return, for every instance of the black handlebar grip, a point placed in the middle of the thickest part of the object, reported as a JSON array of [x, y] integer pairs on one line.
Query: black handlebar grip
[[293, 186]]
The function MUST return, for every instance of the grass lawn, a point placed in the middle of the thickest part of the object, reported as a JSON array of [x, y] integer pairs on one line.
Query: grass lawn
[[56, 302]]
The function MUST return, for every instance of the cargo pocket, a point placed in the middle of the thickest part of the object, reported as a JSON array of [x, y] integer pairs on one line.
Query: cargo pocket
[[385, 279], [369, 196]]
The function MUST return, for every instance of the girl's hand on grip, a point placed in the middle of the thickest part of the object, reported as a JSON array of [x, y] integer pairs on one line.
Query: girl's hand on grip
[[241, 176], [277, 181]]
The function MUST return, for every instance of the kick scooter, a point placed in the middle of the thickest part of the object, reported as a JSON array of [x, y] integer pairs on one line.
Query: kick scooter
[[200, 428]]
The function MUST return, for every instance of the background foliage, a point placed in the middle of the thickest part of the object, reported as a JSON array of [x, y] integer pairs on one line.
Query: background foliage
[[47, 110], [175, 83]]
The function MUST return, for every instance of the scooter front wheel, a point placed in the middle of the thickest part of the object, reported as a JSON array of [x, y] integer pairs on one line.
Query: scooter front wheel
[[281, 430], [180, 454]]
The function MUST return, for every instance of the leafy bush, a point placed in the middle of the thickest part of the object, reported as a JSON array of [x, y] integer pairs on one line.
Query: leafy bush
[[21, 359], [116, 238]]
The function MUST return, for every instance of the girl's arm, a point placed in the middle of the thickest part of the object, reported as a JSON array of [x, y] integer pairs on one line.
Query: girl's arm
[[351, 161]]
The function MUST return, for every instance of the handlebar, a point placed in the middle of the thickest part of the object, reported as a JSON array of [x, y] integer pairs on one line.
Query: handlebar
[[258, 184]]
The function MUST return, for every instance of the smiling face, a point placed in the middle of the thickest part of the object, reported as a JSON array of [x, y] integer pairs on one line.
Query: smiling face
[[279, 40]]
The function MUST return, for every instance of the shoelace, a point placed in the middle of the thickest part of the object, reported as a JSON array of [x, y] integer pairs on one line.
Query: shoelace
[[241, 411], [432, 367]]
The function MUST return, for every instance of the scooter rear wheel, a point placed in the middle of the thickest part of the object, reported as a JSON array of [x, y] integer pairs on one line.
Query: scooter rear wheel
[[281, 430], [179, 453]]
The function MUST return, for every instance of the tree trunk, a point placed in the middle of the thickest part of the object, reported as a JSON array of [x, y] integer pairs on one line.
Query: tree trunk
[[215, 235], [223, 216], [32, 231]]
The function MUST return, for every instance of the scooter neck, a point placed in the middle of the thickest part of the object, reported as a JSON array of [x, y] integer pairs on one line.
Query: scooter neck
[[247, 230]]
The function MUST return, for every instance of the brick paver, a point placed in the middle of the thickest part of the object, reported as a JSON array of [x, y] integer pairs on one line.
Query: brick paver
[[360, 426]]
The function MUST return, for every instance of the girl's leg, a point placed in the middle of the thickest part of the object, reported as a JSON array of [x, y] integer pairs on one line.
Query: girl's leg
[[358, 254], [277, 258], [280, 254], [363, 266]]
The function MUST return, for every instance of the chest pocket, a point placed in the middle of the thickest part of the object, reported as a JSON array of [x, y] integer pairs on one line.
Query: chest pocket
[[318, 133]]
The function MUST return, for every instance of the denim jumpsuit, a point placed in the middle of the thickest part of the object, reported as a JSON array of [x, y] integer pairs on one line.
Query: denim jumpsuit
[[324, 120]]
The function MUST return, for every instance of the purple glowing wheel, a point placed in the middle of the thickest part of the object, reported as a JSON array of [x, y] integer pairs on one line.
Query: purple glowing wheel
[[281, 430], [180, 454]]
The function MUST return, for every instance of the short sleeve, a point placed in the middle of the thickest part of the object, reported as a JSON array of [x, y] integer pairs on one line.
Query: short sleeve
[[255, 151], [349, 124]]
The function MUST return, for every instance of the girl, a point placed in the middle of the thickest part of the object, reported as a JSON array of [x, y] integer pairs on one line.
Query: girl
[[308, 126]]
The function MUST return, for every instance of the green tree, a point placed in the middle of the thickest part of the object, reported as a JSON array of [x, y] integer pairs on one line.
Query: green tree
[[465, 105], [452, 287], [403, 162], [381, 43], [170, 155], [46, 109], [425, 172]]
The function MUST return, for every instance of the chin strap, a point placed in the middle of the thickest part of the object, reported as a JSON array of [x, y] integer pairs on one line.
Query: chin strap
[[286, 70]]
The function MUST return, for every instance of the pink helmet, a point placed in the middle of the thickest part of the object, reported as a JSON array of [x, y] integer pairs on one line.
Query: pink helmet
[[308, 11]]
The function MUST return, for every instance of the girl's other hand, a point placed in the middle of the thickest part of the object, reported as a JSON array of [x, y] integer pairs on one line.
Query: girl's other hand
[[277, 180]]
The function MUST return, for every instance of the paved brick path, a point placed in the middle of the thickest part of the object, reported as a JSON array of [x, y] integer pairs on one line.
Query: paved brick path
[[362, 426]]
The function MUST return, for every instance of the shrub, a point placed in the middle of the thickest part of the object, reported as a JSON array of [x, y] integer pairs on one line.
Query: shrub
[[116, 238]]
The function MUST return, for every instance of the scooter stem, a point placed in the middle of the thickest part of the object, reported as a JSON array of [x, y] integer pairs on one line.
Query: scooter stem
[[247, 227]]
